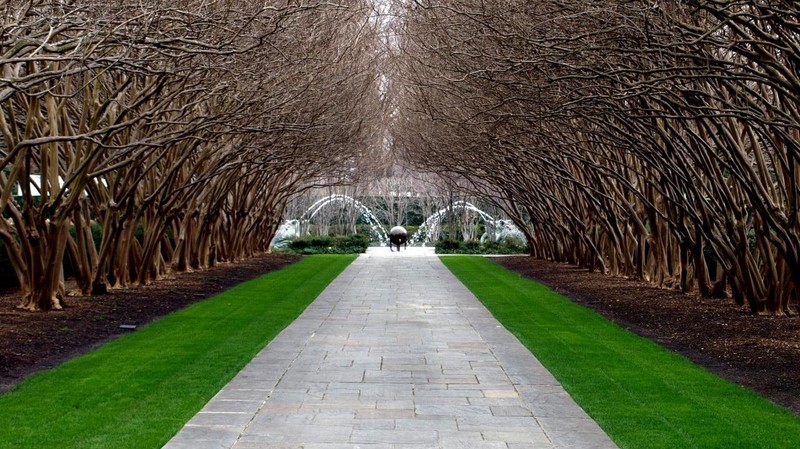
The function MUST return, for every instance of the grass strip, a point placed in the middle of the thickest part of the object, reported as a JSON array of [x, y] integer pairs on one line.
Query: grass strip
[[139, 390], [641, 394]]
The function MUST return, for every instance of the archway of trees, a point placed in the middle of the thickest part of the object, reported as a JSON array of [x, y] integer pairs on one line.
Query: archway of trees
[[651, 139], [175, 131]]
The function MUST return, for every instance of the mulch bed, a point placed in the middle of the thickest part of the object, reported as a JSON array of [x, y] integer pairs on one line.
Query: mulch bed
[[31, 342], [760, 353]]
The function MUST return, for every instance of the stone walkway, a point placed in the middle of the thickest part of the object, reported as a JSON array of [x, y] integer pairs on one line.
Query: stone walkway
[[395, 353]]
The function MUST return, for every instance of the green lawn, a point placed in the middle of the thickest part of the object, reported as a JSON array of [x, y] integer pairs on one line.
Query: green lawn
[[641, 394], [137, 391]]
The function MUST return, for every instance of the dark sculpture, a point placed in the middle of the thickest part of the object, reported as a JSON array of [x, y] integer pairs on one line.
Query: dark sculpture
[[398, 236]]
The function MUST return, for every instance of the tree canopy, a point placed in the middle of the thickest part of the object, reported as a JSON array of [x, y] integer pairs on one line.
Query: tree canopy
[[651, 139]]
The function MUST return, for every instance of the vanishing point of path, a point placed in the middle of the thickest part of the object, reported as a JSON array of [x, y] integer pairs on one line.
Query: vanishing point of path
[[395, 353]]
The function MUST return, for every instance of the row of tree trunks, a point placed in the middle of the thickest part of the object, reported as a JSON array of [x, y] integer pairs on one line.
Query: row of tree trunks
[[145, 138]]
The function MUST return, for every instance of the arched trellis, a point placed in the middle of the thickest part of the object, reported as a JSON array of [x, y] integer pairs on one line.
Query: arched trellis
[[375, 226], [430, 224]]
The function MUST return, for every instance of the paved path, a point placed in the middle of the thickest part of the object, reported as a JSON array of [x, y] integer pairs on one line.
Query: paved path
[[379, 363]]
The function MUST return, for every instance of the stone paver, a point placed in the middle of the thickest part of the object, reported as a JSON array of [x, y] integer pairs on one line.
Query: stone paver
[[395, 353]]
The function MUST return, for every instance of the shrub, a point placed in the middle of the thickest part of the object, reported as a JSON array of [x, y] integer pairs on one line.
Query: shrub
[[411, 229], [475, 247], [471, 245], [356, 241], [447, 245], [325, 244]]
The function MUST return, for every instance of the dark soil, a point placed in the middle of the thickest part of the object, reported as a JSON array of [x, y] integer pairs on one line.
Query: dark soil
[[31, 342], [760, 353]]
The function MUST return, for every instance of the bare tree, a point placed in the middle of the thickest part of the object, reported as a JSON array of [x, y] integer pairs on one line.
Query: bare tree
[[655, 140], [180, 130]]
